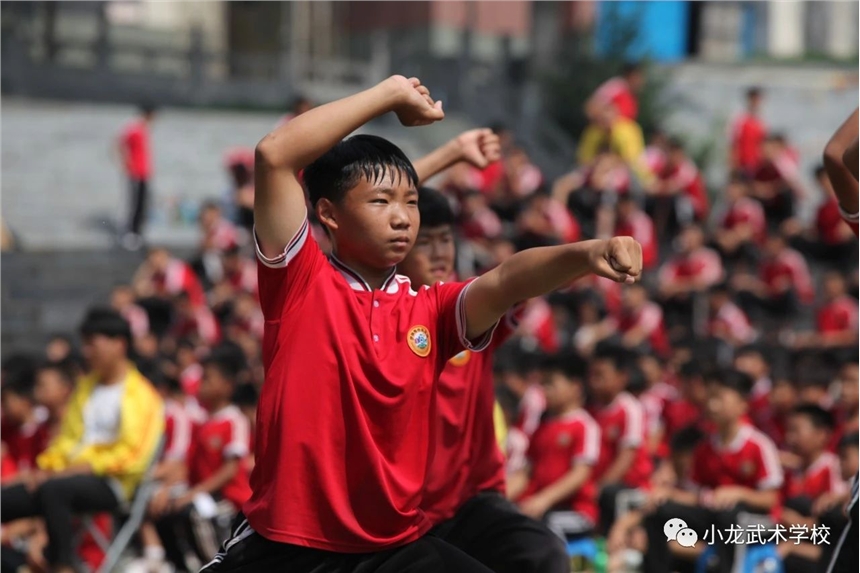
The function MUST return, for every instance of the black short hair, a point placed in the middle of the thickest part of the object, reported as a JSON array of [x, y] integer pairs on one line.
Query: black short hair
[[228, 359], [20, 377], [620, 357], [754, 91], [820, 418], [851, 440], [66, 368], [691, 369], [146, 108], [434, 208], [631, 68], [108, 322], [360, 156], [246, 395], [568, 364], [733, 380], [685, 440]]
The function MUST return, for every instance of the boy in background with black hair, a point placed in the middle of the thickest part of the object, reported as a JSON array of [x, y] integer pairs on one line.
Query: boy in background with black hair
[[735, 469]]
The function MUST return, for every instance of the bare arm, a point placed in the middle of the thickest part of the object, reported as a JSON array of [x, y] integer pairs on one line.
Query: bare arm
[[279, 200], [517, 483], [565, 486], [535, 272], [615, 472], [843, 178], [479, 147], [219, 479]]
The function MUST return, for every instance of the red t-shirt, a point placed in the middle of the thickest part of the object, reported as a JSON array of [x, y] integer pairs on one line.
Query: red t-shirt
[[178, 429], [746, 211], [640, 226], [822, 476], [649, 318], [467, 459], [24, 443], [837, 316], [558, 444], [178, 278], [617, 92], [748, 134], [788, 268], [224, 435], [345, 423], [751, 461], [730, 318], [703, 264], [622, 424], [135, 142]]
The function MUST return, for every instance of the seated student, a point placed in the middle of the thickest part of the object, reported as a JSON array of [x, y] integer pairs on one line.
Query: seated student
[[55, 383], [217, 477], [624, 462], [109, 434], [818, 475], [735, 469], [742, 227], [24, 431], [626, 542], [558, 485]]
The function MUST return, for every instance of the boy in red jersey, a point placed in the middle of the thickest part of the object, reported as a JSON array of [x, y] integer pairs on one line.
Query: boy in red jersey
[[216, 473], [345, 423], [464, 493], [558, 485], [736, 468], [624, 462]]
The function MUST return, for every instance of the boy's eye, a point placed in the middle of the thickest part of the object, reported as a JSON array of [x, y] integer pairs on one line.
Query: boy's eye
[[380, 201], [412, 202]]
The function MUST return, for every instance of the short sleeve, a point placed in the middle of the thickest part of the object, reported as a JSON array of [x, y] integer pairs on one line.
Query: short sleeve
[[451, 321], [284, 279], [588, 448], [633, 433], [239, 438], [769, 471]]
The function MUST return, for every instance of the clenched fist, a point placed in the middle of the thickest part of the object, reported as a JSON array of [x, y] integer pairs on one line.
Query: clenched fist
[[413, 104], [479, 147], [618, 258]]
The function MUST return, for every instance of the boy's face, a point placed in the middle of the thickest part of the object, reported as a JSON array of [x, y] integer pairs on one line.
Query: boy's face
[[51, 391], [803, 437], [561, 392], [752, 365], [725, 406], [214, 387], [432, 258], [375, 223], [103, 353], [848, 382], [783, 396], [605, 380], [16, 408], [848, 461]]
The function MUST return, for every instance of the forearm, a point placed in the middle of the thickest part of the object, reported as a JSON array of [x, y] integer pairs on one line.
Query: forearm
[[437, 161], [517, 484], [565, 487], [616, 472], [763, 500], [843, 181], [217, 480], [299, 142]]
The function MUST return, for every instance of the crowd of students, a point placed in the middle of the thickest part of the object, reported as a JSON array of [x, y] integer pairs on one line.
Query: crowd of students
[[724, 383]]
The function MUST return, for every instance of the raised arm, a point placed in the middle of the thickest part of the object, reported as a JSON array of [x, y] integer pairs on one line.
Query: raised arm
[[836, 155], [279, 200], [480, 147], [535, 272]]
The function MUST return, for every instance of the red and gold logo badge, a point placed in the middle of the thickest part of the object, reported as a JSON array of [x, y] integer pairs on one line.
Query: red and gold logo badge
[[418, 340]]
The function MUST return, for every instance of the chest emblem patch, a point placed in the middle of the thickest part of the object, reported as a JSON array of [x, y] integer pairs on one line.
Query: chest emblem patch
[[418, 340], [461, 359], [747, 469]]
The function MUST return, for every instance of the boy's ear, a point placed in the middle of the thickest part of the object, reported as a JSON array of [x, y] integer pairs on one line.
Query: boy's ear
[[325, 213]]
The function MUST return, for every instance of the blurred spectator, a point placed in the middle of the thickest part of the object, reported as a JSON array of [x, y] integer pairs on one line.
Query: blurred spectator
[[640, 324], [689, 408], [783, 282], [726, 320], [678, 196], [218, 235], [133, 147], [158, 280], [631, 221], [299, 105], [123, 301], [239, 163], [776, 181], [655, 398], [751, 361], [194, 322], [477, 221], [748, 133], [620, 91], [622, 136], [559, 487], [55, 383], [741, 228], [836, 320], [518, 374], [24, 430], [109, 434], [59, 348], [544, 221]]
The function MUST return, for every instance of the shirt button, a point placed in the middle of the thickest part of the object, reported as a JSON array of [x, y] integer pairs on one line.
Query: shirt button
[[376, 338], [376, 304]]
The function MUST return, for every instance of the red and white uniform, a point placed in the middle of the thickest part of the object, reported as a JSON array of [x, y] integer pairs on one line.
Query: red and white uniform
[[788, 269], [829, 221], [467, 458], [24, 443], [730, 318], [244, 279], [654, 159], [532, 407], [178, 429], [137, 320], [654, 401], [687, 178], [135, 143], [617, 92], [482, 224], [190, 379], [224, 435], [703, 265], [838, 316], [559, 443], [748, 133], [822, 476], [202, 325], [537, 322], [178, 278], [622, 424], [345, 422], [516, 448], [746, 211], [750, 460], [649, 318], [223, 236], [640, 226]]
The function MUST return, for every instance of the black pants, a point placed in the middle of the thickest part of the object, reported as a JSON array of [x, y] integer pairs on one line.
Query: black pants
[[492, 530], [138, 202], [659, 559], [57, 501], [186, 531], [249, 552]]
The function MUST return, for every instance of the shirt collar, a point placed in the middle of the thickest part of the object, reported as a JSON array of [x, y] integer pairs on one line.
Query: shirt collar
[[355, 280], [743, 434]]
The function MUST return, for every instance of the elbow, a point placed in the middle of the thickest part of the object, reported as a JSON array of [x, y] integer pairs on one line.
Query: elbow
[[833, 154], [264, 154]]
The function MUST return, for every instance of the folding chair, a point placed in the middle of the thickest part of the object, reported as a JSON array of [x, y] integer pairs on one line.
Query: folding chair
[[133, 511]]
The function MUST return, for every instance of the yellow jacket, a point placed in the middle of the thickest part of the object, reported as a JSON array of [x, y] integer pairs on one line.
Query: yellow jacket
[[624, 139], [140, 432], [500, 425]]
